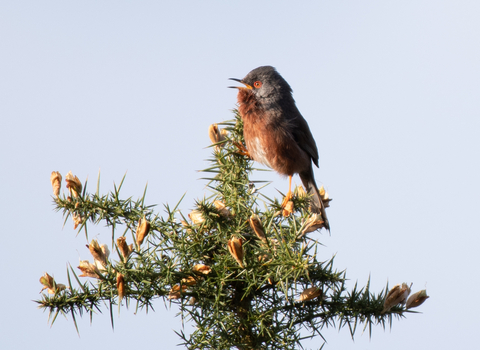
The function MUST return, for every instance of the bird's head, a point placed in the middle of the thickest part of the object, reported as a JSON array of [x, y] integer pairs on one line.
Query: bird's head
[[265, 83]]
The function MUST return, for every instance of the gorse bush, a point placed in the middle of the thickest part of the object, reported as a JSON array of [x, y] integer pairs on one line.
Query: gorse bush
[[240, 267]]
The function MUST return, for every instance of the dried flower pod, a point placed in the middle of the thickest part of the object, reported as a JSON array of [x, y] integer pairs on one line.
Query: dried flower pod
[[313, 223], [187, 226], [192, 301], [47, 281], [77, 220], [142, 230], [216, 135], [325, 199], [275, 242], [309, 294], [189, 281], [263, 258], [397, 295], [176, 288], [174, 295], [99, 253], [73, 184], [88, 270], [196, 217], [56, 180], [288, 209], [235, 247], [176, 292], [99, 263], [223, 210], [124, 249], [257, 227], [416, 299], [49, 284], [300, 191], [202, 269], [120, 286]]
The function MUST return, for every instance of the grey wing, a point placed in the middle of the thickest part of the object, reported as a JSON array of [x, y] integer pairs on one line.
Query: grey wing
[[304, 138]]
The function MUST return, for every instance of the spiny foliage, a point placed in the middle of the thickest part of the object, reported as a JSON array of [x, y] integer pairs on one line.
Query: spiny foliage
[[257, 306]]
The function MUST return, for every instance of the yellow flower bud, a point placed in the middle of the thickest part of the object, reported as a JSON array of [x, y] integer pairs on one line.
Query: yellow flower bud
[[56, 180]]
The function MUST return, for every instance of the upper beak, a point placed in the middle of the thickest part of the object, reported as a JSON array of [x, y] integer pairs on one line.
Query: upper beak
[[240, 87]]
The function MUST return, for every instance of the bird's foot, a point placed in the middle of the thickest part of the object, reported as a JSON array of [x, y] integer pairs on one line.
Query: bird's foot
[[288, 198], [287, 204], [242, 150]]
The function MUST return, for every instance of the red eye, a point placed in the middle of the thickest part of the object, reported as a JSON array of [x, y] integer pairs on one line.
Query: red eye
[[257, 84]]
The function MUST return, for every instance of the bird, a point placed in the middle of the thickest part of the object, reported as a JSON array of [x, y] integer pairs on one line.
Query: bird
[[275, 132]]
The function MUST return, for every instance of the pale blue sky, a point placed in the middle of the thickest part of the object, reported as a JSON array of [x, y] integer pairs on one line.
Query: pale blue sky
[[390, 91]]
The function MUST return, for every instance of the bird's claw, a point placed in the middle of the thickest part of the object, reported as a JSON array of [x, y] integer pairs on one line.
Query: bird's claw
[[288, 198], [242, 150]]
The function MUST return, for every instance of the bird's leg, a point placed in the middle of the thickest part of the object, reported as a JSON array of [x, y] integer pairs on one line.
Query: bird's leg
[[289, 195], [242, 150]]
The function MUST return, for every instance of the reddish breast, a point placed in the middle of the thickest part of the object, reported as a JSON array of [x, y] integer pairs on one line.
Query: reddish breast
[[266, 141]]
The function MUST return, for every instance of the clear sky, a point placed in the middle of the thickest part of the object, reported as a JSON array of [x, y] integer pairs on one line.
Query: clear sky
[[390, 90]]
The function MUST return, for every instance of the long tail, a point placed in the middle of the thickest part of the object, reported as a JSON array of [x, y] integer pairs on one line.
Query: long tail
[[310, 185]]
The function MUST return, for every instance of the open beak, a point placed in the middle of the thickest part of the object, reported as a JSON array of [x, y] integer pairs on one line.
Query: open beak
[[240, 87]]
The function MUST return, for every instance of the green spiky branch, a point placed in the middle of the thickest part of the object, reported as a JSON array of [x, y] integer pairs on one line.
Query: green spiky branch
[[254, 304]]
